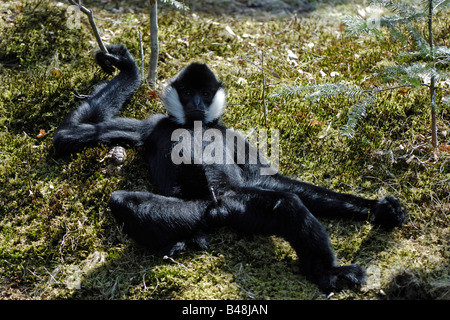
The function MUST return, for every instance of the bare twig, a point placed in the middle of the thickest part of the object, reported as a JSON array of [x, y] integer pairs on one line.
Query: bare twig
[[440, 88], [403, 86], [314, 54], [434, 140], [173, 260], [386, 89], [264, 89], [90, 15], [29, 169], [154, 42], [142, 54]]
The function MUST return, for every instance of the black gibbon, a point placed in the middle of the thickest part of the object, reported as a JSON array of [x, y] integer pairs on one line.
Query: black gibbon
[[199, 194]]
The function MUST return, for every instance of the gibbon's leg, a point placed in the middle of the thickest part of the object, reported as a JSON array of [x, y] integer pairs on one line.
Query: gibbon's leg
[[386, 213], [162, 224], [258, 211], [93, 121]]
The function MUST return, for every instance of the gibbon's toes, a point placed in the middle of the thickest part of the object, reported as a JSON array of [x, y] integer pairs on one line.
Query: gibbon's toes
[[340, 277], [388, 213], [172, 250], [201, 241]]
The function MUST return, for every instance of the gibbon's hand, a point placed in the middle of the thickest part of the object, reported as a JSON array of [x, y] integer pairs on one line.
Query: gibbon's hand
[[117, 56]]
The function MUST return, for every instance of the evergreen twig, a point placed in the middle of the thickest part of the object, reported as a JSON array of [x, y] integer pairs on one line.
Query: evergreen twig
[[423, 61]]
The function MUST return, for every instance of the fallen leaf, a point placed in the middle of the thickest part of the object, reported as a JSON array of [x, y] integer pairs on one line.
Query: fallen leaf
[[230, 31], [153, 94], [241, 81], [292, 55], [55, 72], [317, 123], [275, 75], [42, 133]]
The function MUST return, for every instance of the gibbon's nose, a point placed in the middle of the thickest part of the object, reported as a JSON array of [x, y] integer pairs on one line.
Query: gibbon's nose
[[198, 103], [197, 100]]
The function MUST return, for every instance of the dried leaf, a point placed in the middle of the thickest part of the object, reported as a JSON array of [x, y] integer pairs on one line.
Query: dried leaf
[[55, 72], [275, 75], [291, 55], [153, 94], [317, 123], [42, 133], [230, 31]]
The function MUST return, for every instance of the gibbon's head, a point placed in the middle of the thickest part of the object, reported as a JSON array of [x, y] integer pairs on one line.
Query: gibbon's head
[[195, 94]]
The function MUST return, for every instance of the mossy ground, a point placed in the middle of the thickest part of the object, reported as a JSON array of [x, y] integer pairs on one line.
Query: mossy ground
[[57, 237]]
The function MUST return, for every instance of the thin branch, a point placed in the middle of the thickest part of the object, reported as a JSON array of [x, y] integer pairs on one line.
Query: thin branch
[[427, 85], [264, 89], [314, 54], [437, 5], [173, 260], [387, 89], [403, 86], [152, 74], [90, 15], [141, 49], [433, 78]]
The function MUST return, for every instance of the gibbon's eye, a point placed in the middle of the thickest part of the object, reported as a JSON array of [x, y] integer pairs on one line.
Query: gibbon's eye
[[205, 94], [187, 92]]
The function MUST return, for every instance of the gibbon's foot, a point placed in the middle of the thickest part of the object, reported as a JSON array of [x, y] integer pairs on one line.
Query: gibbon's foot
[[339, 277], [175, 249], [172, 250], [201, 241], [117, 56], [388, 213]]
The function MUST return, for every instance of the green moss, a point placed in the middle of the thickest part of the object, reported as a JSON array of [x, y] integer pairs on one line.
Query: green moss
[[57, 237]]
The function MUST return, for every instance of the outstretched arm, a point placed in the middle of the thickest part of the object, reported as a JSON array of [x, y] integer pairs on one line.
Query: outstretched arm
[[94, 121]]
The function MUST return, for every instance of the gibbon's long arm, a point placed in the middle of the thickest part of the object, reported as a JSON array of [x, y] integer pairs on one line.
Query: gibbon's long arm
[[94, 121]]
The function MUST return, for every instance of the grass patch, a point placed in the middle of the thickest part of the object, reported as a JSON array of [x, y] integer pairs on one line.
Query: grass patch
[[57, 236]]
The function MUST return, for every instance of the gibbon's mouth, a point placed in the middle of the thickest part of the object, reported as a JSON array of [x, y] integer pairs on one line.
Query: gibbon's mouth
[[195, 115]]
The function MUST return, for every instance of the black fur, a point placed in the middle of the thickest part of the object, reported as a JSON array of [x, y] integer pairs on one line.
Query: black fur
[[194, 198]]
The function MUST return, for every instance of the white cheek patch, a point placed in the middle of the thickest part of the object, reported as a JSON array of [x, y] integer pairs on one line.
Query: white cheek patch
[[217, 107], [172, 103]]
